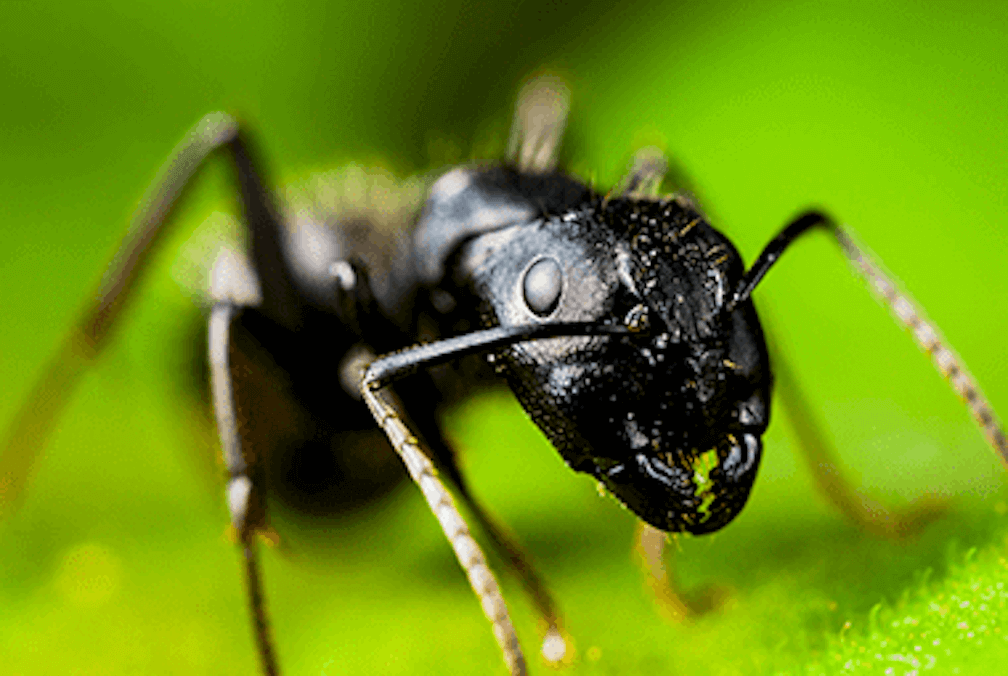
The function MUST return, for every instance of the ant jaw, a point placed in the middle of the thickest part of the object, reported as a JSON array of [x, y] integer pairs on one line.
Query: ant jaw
[[694, 492]]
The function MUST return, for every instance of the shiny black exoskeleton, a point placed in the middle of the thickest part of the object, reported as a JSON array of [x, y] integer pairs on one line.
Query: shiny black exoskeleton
[[667, 417]]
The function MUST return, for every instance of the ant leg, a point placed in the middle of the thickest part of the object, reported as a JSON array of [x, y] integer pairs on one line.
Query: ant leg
[[244, 501], [650, 171], [53, 389], [675, 604], [817, 450], [538, 127], [279, 297], [386, 411], [650, 550], [647, 171], [820, 456]]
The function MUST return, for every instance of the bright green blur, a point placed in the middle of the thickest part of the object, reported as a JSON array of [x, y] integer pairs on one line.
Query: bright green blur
[[892, 117]]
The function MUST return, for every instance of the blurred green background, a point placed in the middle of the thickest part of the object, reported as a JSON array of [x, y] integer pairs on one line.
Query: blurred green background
[[891, 115]]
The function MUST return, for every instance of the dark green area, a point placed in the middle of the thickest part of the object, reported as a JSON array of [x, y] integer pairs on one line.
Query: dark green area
[[890, 115]]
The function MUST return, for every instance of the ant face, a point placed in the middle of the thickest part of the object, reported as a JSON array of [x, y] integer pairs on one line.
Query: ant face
[[668, 417]]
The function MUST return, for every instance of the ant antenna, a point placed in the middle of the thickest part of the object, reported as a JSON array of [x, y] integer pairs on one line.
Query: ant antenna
[[904, 308], [392, 367], [909, 313]]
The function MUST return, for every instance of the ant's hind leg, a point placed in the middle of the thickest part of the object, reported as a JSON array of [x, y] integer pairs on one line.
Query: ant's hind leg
[[244, 501]]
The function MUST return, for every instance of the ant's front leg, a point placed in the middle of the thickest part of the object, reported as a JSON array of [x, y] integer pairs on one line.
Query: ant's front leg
[[677, 605], [647, 172]]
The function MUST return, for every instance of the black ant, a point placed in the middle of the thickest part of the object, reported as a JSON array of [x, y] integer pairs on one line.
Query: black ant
[[622, 322]]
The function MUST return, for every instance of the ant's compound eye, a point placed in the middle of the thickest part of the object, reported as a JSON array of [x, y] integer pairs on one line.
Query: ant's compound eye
[[543, 283]]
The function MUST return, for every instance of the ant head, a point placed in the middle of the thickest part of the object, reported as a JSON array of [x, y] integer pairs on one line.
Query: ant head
[[668, 416]]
